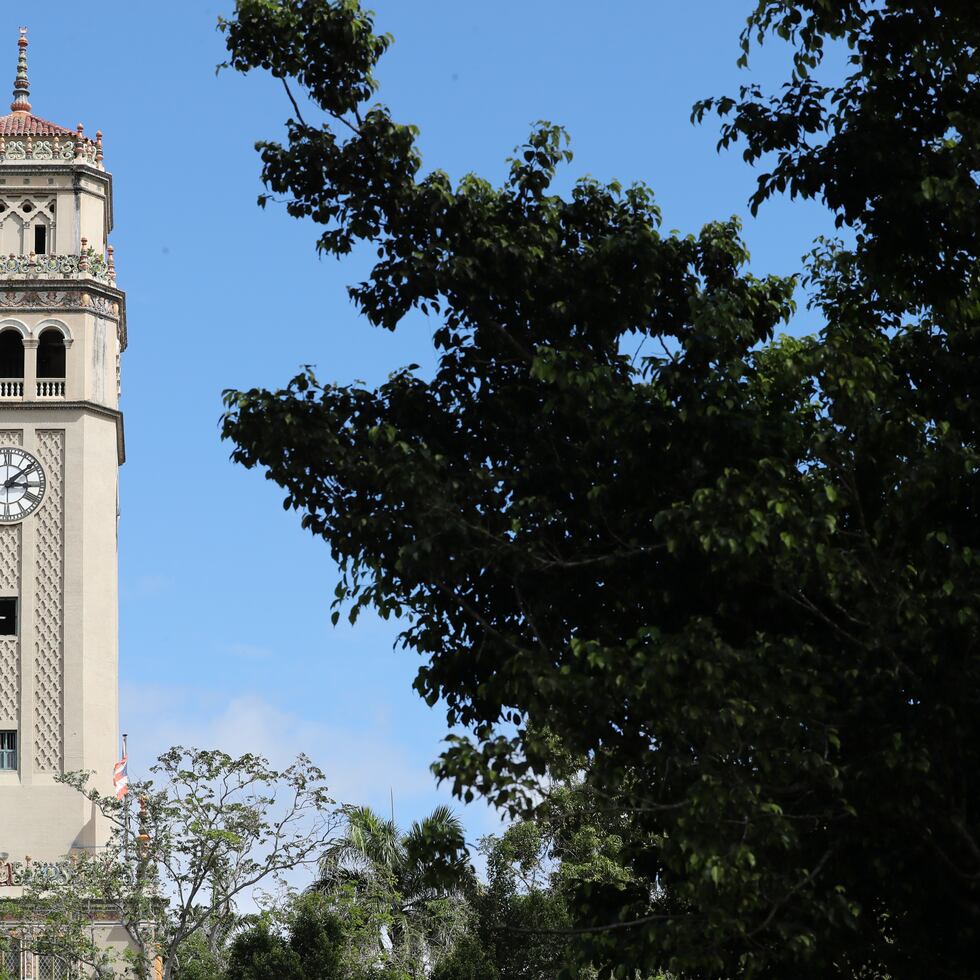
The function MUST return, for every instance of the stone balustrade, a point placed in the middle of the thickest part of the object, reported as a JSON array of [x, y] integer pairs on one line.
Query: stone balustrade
[[50, 387], [12, 389], [88, 264], [51, 148]]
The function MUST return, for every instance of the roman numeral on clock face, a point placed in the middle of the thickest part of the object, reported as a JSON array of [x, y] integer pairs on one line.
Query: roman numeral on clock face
[[22, 484]]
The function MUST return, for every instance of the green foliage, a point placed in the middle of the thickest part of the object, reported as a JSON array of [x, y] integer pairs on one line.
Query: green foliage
[[520, 920], [891, 149], [185, 847], [312, 949], [733, 575], [405, 890], [430, 858], [467, 961], [197, 959], [518, 913]]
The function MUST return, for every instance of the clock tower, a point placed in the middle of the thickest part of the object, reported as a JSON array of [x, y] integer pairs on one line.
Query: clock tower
[[62, 331]]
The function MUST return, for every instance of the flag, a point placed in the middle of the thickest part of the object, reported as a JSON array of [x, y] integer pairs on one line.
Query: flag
[[120, 777]]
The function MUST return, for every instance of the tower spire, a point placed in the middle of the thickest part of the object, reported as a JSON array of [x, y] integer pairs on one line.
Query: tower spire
[[22, 87]]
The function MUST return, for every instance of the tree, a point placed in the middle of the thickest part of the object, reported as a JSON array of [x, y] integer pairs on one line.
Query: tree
[[386, 905], [198, 959], [312, 949], [734, 574], [411, 884], [520, 918], [510, 927], [184, 849], [517, 916]]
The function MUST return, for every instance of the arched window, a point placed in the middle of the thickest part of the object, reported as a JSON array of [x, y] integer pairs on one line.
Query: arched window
[[51, 354], [12, 354]]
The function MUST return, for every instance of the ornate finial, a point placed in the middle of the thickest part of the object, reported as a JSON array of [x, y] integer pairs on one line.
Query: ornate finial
[[99, 156], [22, 87]]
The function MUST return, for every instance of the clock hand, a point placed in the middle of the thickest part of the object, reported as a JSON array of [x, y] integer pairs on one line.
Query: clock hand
[[17, 476]]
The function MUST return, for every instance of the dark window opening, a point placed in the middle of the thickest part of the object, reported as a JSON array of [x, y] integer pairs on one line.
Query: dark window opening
[[40, 239], [51, 354], [8, 617], [8, 751], [27, 208], [11, 354]]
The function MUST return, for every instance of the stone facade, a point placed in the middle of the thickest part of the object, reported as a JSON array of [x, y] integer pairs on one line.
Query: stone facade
[[62, 331]]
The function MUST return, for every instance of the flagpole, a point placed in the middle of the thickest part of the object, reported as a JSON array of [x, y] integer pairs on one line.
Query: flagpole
[[125, 755]]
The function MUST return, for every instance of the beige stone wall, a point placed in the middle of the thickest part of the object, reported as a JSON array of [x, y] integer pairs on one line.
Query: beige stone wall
[[81, 206], [66, 680], [59, 677]]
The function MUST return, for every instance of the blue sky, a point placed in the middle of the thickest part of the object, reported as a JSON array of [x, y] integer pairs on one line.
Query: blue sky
[[225, 635]]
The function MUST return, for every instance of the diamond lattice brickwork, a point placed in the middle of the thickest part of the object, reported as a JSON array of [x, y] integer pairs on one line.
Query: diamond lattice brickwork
[[49, 669], [10, 559], [10, 542], [9, 645], [9, 679]]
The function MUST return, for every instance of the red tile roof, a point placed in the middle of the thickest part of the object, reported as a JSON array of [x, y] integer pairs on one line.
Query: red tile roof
[[24, 124]]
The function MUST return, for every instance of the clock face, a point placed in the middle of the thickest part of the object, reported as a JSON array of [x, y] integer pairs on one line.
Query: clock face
[[22, 484]]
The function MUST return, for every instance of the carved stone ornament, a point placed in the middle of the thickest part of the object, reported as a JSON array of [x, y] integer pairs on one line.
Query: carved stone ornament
[[57, 300]]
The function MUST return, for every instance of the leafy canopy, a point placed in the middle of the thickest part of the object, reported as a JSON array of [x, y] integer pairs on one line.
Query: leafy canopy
[[732, 573], [186, 848]]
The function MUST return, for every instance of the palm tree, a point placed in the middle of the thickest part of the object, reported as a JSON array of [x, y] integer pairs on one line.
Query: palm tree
[[419, 877]]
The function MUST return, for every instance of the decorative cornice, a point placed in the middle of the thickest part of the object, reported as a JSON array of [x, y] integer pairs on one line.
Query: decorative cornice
[[12, 283], [50, 296], [92, 408], [29, 168]]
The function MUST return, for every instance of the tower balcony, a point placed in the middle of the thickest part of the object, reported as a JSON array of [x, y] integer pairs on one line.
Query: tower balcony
[[86, 265], [44, 389]]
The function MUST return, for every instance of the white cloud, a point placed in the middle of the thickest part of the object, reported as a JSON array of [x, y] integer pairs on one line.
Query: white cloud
[[361, 765], [367, 764]]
